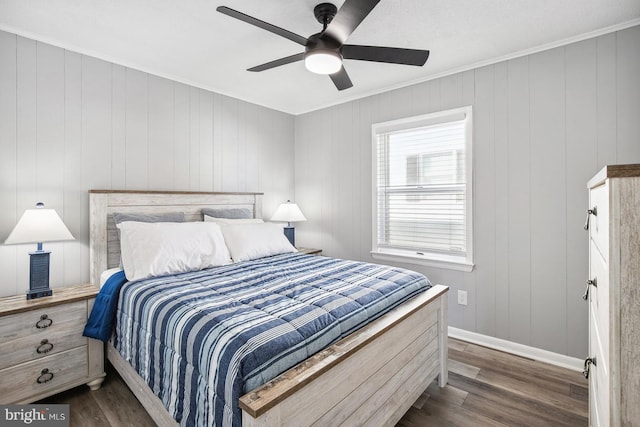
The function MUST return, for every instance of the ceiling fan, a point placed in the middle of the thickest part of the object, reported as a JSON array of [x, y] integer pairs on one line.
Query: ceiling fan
[[324, 51]]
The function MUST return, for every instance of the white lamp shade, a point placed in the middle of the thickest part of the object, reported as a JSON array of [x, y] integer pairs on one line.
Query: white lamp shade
[[37, 226], [288, 212]]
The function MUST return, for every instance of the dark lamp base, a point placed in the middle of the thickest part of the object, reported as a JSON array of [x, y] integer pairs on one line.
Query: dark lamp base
[[39, 293], [39, 275], [290, 233]]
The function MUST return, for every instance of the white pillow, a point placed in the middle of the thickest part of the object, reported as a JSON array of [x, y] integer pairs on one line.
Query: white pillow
[[251, 241], [221, 221], [160, 248]]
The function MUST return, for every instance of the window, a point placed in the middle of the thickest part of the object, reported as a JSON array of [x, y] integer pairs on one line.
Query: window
[[422, 190]]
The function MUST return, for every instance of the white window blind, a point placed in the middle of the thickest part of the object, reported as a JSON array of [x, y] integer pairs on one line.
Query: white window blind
[[421, 186]]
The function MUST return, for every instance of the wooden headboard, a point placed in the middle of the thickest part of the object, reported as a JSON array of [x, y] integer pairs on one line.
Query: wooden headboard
[[104, 245]]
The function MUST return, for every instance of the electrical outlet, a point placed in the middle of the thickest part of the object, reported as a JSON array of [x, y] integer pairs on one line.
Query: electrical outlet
[[462, 297]]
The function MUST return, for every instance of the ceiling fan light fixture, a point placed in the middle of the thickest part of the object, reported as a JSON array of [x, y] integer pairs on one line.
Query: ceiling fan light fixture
[[325, 50], [323, 61]]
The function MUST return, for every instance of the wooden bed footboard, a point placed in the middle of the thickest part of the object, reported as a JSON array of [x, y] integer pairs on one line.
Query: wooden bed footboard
[[371, 377]]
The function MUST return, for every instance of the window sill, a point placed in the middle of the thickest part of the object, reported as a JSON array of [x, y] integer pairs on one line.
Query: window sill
[[450, 263]]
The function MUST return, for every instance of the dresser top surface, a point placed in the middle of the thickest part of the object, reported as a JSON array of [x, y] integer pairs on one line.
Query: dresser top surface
[[614, 171]]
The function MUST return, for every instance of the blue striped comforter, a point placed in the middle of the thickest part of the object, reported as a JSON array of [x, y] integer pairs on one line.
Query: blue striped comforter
[[202, 339]]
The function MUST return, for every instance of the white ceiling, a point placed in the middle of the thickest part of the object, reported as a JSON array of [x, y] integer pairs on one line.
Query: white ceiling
[[190, 42]]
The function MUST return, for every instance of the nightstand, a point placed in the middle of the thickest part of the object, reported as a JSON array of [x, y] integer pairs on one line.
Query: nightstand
[[42, 347], [310, 251]]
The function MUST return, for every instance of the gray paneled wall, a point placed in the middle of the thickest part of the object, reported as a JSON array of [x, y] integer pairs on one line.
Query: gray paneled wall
[[543, 125], [69, 123]]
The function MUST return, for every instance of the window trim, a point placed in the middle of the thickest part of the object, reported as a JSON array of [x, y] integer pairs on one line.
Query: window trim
[[429, 259]]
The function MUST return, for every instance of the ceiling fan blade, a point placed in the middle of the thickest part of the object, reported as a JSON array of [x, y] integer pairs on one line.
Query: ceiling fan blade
[[391, 55], [341, 79], [278, 62], [264, 25], [350, 15]]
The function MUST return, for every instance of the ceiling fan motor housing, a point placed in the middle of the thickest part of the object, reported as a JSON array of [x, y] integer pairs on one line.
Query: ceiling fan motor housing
[[325, 43]]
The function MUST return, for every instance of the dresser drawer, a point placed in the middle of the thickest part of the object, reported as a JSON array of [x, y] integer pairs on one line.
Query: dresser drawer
[[599, 326], [599, 296], [594, 415], [60, 328], [599, 223], [598, 378], [20, 382]]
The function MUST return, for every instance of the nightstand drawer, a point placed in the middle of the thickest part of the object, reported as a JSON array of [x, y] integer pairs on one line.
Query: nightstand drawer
[[41, 345], [60, 329], [42, 322], [20, 382]]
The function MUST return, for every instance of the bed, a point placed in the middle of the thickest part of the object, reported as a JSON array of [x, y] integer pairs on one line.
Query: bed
[[374, 373]]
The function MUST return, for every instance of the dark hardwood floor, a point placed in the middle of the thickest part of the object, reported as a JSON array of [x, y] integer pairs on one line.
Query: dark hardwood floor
[[486, 388], [491, 388]]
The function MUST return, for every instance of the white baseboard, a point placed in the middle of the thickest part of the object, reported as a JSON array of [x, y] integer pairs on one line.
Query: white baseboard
[[534, 353]]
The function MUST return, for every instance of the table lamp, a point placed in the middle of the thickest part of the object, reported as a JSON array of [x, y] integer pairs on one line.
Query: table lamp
[[37, 226], [288, 212]]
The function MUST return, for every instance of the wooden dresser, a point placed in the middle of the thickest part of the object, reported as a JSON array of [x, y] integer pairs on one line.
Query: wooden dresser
[[613, 294], [42, 348]]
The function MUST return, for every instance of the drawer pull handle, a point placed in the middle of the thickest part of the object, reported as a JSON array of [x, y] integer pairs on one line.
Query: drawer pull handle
[[45, 376], [44, 347], [44, 322], [587, 366], [593, 212], [593, 283]]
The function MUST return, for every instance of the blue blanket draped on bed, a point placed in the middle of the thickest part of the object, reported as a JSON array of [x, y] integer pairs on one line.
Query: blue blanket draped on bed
[[100, 322], [202, 339]]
